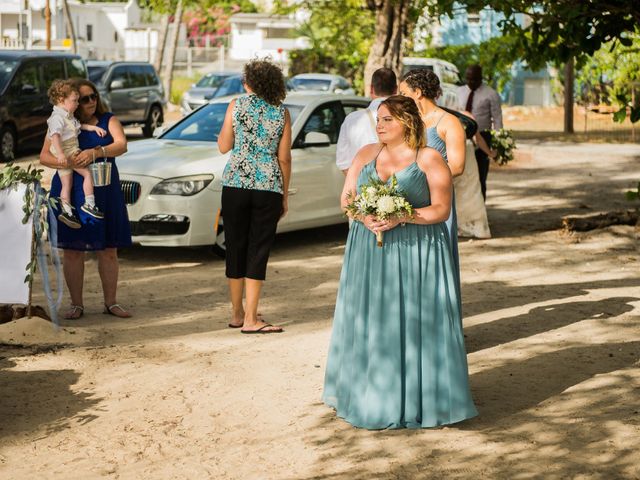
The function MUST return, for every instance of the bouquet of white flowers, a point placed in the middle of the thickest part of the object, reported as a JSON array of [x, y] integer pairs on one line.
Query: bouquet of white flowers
[[502, 141], [380, 199]]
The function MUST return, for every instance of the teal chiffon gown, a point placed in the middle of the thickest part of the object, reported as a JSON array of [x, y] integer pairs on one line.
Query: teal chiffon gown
[[397, 357]]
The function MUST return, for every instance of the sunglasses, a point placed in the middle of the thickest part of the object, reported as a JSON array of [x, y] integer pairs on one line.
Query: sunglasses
[[88, 98]]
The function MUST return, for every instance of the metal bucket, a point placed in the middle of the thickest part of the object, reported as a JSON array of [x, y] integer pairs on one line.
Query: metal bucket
[[101, 173]]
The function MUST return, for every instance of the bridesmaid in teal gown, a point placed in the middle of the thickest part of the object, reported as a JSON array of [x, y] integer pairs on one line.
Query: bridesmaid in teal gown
[[397, 357], [444, 132]]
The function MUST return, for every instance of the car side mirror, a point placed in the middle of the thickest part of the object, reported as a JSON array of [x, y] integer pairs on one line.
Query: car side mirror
[[316, 139], [28, 89], [116, 85]]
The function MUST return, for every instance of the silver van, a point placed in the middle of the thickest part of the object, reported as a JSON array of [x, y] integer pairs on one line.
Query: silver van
[[132, 91]]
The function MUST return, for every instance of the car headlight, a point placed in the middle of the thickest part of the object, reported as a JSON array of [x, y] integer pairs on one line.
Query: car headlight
[[183, 186]]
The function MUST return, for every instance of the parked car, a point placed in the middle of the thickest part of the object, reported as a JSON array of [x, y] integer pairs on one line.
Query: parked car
[[203, 91], [132, 91], [25, 77], [172, 184], [447, 74], [321, 82], [230, 86]]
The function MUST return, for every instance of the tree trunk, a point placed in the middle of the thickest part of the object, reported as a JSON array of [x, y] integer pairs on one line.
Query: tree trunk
[[173, 44], [568, 96], [386, 51], [70, 30], [162, 41]]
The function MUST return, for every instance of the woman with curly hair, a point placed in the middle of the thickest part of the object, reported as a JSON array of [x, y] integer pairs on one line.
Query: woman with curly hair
[[397, 356], [255, 182], [444, 132]]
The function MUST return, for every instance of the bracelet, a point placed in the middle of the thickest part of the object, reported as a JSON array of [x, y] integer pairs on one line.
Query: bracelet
[[104, 151]]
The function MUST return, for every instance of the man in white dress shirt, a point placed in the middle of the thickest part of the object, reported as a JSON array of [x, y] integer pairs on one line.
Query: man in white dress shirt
[[359, 128], [483, 103]]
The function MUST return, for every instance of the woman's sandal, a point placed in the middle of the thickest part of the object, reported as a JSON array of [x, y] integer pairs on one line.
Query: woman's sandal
[[74, 313], [116, 310]]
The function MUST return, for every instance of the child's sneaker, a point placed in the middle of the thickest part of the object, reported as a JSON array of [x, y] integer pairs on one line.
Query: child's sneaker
[[70, 220], [92, 210]]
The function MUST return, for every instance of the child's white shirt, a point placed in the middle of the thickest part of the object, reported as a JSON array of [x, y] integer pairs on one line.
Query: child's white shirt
[[63, 123]]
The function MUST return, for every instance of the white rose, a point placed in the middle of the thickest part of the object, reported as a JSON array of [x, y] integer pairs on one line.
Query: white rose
[[386, 205], [372, 191]]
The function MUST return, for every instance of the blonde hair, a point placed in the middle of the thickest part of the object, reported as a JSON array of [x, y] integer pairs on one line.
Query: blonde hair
[[405, 111], [59, 90]]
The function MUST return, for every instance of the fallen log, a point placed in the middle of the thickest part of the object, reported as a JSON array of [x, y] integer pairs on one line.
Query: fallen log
[[584, 223]]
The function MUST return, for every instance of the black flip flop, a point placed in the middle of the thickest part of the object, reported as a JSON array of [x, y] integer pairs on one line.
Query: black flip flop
[[262, 331]]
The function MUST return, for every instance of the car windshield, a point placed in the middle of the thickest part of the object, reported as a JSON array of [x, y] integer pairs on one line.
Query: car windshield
[[96, 73], [311, 84], [204, 124], [211, 81], [230, 86], [7, 66]]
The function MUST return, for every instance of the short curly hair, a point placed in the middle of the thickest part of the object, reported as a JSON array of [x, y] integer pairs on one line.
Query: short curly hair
[[425, 80], [266, 80], [405, 111], [59, 90]]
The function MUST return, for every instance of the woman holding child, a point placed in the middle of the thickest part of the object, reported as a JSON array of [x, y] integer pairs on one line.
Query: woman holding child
[[106, 235]]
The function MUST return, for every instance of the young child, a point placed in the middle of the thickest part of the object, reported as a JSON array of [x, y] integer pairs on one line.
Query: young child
[[63, 131]]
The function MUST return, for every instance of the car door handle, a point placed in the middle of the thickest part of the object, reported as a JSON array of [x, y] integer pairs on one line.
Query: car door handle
[[293, 191]]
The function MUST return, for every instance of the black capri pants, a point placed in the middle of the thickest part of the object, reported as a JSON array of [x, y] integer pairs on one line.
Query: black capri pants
[[250, 221]]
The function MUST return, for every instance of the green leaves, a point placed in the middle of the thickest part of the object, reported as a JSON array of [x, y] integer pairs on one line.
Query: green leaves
[[13, 175]]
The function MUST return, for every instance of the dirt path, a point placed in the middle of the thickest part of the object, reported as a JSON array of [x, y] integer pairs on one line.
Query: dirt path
[[551, 323]]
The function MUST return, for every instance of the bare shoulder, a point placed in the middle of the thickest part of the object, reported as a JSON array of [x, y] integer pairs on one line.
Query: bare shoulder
[[429, 158], [450, 119], [367, 153]]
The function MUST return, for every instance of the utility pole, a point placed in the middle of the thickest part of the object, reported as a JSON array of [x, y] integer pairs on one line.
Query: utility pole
[[47, 22]]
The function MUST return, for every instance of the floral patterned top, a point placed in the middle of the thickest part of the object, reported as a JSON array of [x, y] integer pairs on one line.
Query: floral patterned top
[[257, 127]]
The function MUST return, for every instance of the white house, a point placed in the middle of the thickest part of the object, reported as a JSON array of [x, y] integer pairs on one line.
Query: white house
[[261, 34], [104, 31]]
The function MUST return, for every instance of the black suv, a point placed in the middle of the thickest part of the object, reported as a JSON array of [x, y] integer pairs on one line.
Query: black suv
[[25, 77], [132, 91]]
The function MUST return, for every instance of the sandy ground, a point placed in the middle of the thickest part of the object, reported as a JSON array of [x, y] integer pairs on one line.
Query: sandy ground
[[552, 324]]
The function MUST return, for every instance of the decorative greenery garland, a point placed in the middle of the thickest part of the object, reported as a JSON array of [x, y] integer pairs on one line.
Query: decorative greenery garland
[[10, 177]]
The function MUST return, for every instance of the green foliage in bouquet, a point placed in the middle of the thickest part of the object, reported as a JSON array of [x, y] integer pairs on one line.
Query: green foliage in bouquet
[[380, 199], [503, 143]]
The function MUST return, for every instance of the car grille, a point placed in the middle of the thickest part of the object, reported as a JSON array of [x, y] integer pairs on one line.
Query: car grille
[[159, 228], [131, 191]]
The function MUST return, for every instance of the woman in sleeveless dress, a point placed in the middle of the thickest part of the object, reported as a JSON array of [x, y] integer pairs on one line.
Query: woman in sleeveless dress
[[443, 132], [469, 214], [397, 357], [255, 182], [104, 236]]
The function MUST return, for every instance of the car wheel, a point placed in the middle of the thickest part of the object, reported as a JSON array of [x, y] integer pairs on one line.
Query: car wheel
[[220, 247], [154, 120], [7, 144]]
